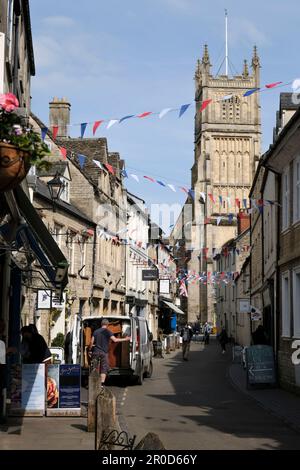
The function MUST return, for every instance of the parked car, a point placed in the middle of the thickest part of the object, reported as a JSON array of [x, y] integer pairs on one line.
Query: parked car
[[131, 359]]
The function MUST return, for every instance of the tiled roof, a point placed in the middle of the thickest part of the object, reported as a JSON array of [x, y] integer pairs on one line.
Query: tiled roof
[[56, 167]]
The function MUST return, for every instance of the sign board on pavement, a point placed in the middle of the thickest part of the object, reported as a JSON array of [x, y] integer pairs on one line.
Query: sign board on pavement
[[260, 365]]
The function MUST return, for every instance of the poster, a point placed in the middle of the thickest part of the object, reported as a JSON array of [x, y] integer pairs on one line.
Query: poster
[[33, 388], [53, 386], [69, 386], [16, 386]]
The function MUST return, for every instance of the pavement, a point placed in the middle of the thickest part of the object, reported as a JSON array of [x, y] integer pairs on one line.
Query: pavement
[[276, 401]]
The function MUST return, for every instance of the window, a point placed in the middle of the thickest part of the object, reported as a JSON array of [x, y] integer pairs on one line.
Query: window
[[10, 24], [285, 307], [285, 199], [71, 251], [296, 190], [83, 248], [65, 195], [57, 234], [296, 302]]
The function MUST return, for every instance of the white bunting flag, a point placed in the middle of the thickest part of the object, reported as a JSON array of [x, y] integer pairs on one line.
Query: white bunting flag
[[226, 97], [98, 164], [135, 177], [229, 201], [164, 112], [171, 186], [219, 220], [203, 196], [112, 122]]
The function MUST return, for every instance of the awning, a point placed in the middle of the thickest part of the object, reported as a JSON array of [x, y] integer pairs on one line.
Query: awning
[[173, 307], [49, 255]]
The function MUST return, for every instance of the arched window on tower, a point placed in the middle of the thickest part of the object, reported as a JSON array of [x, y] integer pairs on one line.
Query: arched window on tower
[[237, 107]]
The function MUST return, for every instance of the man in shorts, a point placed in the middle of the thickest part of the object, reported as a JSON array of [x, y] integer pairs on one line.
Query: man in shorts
[[99, 346]]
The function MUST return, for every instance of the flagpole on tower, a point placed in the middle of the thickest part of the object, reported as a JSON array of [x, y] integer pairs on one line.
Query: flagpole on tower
[[226, 43]]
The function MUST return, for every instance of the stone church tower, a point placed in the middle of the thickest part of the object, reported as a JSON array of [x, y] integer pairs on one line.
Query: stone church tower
[[227, 148]]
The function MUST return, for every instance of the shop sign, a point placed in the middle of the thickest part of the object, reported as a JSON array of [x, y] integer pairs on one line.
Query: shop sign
[[149, 275]]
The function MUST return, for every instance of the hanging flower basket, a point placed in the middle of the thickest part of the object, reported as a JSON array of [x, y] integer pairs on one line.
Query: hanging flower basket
[[14, 166], [20, 145]]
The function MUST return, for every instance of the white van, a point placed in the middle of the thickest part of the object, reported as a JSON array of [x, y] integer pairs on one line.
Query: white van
[[132, 358]]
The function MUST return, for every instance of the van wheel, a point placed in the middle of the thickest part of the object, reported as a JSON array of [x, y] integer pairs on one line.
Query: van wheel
[[149, 371], [140, 376]]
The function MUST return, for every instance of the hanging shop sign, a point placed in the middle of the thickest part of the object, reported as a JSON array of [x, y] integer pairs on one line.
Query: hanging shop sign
[[164, 286], [150, 274], [244, 306]]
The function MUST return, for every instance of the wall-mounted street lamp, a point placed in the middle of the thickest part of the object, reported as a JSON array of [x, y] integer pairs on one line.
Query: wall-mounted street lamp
[[56, 187]]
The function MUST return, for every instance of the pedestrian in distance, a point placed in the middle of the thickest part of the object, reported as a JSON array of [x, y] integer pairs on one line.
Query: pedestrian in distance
[[99, 346], [223, 340], [186, 334], [259, 336], [206, 331]]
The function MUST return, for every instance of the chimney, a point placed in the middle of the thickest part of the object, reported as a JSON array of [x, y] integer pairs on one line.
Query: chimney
[[243, 221], [59, 115]]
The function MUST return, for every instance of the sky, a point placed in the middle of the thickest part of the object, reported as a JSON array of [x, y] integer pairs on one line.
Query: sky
[[115, 58]]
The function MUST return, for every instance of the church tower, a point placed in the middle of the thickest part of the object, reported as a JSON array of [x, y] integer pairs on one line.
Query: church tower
[[227, 149]]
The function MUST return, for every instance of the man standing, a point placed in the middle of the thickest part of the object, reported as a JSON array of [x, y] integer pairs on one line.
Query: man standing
[[99, 346], [186, 334]]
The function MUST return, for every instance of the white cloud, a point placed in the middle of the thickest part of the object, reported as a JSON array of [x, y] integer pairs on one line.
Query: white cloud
[[59, 21], [244, 31]]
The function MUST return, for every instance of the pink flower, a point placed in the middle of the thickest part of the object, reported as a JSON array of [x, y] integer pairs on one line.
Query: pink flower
[[9, 102]]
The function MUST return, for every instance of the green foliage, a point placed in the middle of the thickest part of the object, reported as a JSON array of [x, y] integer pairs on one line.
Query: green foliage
[[14, 132], [58, 341]]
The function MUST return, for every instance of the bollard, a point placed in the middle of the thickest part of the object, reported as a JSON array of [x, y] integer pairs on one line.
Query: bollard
[[106, 415], [94, 390]]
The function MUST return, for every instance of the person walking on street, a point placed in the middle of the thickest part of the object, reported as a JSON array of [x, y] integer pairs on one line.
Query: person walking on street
[[186, 334], [34, 349], [207, 331], [223, 339], [99, 347]]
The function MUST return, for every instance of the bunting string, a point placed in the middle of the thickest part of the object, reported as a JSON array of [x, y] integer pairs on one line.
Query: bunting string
[[181, 110]]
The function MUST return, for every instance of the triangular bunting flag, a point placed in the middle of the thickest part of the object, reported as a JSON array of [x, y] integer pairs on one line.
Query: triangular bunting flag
[[54, 131], [237, 202], [135, 177], [164, 112], [245, 203], [161, 183], [250, 92], [147, 113], [226, 97], [98, 164], [219, 220], [150, 179], [183, 109], [192, 193], [172, 187], [63, 151], [273, 85], [126, 117], [220, 199], [204, 104], [211, 197], [96, 125], [44, 131], [184, 189], [82, 128], [81, 159], [111, 123], [124, 173], [203, 196], [110, 168], [230, 218]]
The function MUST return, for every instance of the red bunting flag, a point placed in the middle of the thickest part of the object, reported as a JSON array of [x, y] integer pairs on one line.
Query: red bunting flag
[[150, 179], [272, 85], [96, 125], [211, 197], [110, 168], [204, 104], [206, 220], [184, 189], [54, 131], [237, 202], [63, 151], [147, 113]]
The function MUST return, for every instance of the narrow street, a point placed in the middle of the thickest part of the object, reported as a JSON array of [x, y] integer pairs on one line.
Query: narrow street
[[192, 405]]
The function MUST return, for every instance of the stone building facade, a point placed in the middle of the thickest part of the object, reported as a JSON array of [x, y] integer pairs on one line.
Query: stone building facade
[[16, 50], [227, 148], [283, 159]]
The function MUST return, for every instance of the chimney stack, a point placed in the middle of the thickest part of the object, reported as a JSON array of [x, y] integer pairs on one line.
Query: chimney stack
[[59, 115], [243, 221]]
